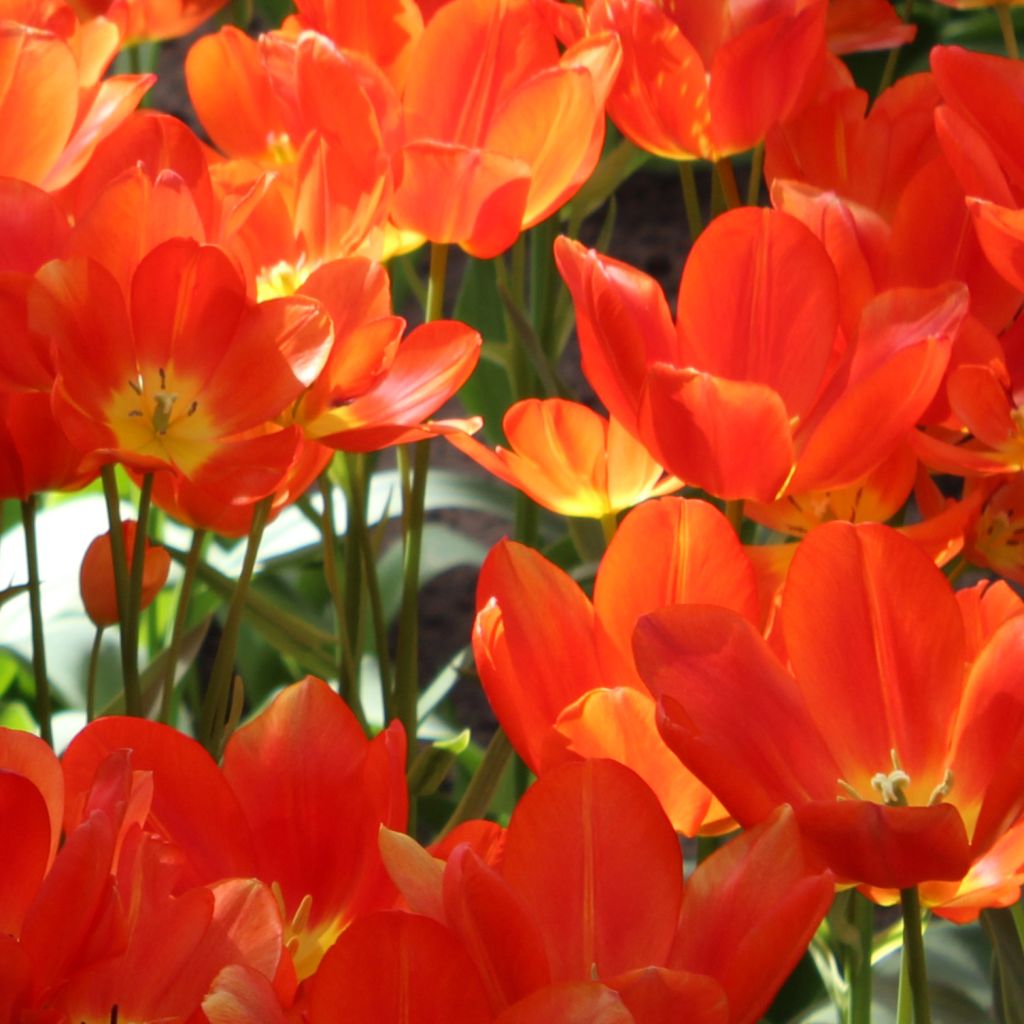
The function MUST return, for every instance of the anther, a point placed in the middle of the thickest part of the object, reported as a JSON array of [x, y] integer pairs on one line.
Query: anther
[[136, 386], [848, 790], [163, 379], [941, 791], [301, 916]]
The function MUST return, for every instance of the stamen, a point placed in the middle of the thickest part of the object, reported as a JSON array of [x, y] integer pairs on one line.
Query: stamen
[[891, 787], [163, 379], [848, 789], [942, 789], [136, 386], [192, 409], [301, 917]]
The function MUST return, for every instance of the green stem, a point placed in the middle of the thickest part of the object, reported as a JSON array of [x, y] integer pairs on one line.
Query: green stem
[[356, 492], [122, 590], [858, 960], [889, 71], [136, 573], [1017, 913], [706, 845], [609, 524], [727, 179], [406, 658], [90, 679], [215, 706], [348, 675], [543, 282], [44, 710], [480, 791], [435, 286], [756, 173], [913, 952], [734, 513], [694, 218], [1009, 33], [195, 553]]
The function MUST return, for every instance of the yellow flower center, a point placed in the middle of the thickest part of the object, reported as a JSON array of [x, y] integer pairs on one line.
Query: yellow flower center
[[891, 786]]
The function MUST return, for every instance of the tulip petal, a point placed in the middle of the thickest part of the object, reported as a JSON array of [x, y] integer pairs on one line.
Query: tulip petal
[[606, 898]]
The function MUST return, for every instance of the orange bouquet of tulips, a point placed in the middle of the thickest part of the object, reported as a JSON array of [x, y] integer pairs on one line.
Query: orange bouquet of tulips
[[649, 693]]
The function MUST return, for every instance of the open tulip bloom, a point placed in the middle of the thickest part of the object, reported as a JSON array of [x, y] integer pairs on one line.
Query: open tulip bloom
[[745, 663], [895, 731]]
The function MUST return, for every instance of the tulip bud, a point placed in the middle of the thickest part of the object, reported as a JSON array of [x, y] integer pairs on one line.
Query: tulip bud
[[97, 581]]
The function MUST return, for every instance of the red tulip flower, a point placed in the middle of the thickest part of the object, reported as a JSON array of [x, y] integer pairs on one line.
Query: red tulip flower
[[500, 130], [757, 390], [897, 758], [586, 914], [705, 80], [99, 592], [185, 372]]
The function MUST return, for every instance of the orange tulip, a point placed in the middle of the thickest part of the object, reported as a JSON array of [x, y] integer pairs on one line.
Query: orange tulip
[[80, 919], [570, 459], [324, 121], [385, 31], [55, 104], [500, 130], [149, 20], [557, 668], [154, 380], [757, 391], [376, 389], [703, 81], [298, 804], [856, 25], [899, 175], [890, 751], [582, 914], [96, 579]]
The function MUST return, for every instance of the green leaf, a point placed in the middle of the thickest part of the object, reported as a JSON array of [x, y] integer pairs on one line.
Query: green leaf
[[1009, 960], [14, 715], [488, 392], [433, 763]]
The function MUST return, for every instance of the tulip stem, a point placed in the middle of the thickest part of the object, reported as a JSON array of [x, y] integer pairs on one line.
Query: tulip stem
[[691, 201], [136, 574], [353, 468], [756, 173], [858, 960], [727, 179], [889, 71], [407, 655], [734, 513], [122, 591], [215, 706], [435, 284], [1017, 913], [35, 602], [1009, 33], [90, 679], [609, 524], [180, 618], [913, 952], [477, 797], [348, 675]]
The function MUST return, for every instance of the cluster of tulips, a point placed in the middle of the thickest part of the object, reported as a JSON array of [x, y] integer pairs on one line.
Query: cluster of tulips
[[759, 612]]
